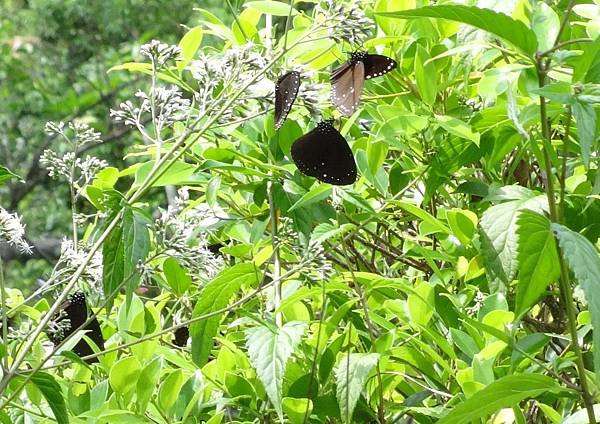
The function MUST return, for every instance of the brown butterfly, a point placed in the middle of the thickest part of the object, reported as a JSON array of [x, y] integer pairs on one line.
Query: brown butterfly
[[347, 80]]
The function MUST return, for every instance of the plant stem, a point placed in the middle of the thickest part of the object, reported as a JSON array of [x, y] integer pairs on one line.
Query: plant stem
[[563, 176], [4, 316], [564, 281], [276, 263]]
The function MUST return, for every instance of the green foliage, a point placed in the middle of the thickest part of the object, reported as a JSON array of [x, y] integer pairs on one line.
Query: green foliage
[[505, 392], [434, 289], [269, 352]]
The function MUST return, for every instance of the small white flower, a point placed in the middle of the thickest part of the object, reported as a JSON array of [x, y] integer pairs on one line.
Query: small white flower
[[13, 231], [71, 259], [160, 53]]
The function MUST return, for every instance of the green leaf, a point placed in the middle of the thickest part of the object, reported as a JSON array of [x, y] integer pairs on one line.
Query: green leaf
[[424, 216], [136, 242], [545, 24], [584, 261], [458, 128], [178, 173], [420, 304], [269, 353], [316, 194], [502, 393], [169, 390], [583, 70], [325, 231], [463, 224], [147, 382], [275, 8], [296, 409], [6, 175], [425, 76], [53, 395], [126, 245], [351, 374], [585, 118], [124, 374], [215, 296], [176, 276], [560, 92], [499, 24], [498, 227], [537, 258], [189, 44]]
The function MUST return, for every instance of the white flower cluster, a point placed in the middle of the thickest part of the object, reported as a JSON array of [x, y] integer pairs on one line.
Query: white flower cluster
[[84, 134], [77, 171], [169, 105], [160, 53], [348, 21], [181, 232], [71, 258], [231, 70], [13, 231]]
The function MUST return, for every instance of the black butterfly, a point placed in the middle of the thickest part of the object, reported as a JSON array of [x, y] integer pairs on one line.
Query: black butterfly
[[324, 154], [347, 80], [73, 314], [286, 91], [181, 336]]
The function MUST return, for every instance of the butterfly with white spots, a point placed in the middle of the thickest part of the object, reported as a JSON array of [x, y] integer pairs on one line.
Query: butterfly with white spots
[[323, 153]]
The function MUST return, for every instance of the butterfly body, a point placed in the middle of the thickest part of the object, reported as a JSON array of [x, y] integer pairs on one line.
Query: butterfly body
[[323, 153], [286, 91], [348, 79]]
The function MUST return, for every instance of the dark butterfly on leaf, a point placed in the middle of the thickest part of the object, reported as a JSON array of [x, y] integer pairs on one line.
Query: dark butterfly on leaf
[[347, 80], [323, 153], [73, 314], [181, 336], [286, 91]]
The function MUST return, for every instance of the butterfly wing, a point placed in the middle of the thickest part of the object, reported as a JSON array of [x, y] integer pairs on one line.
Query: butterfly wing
[[93, 331], [75, 311], [181, 336], [346, 86], [323, 153], [377, 65], [286, 91]]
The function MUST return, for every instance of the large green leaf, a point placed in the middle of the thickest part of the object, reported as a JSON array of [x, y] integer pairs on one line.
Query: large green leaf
[[124, 374], [269, 352], [502, 393], [124, 248], [498, 227], [189, 45], [146, 382], [537, 258], [585, 118], [350, 376], [499, 24], [170, 390], [584, 261], [53, 394], [215, 296], [176, 276], [136, 245], [545, 24]]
